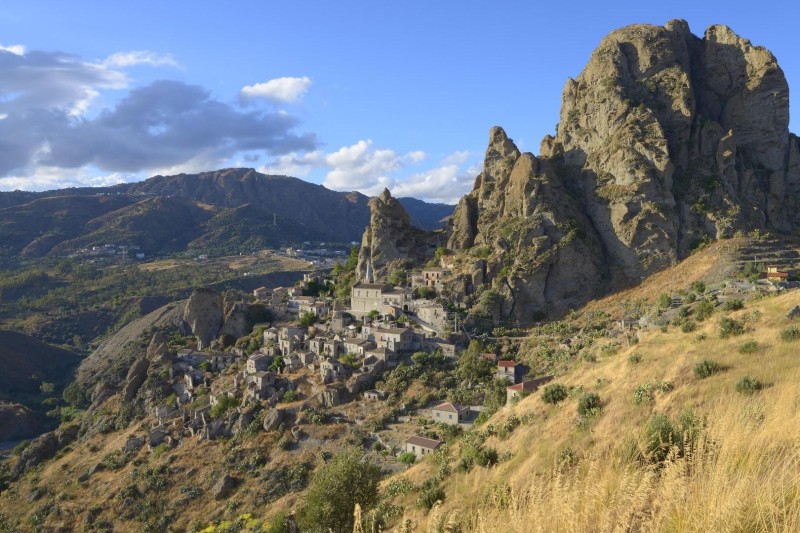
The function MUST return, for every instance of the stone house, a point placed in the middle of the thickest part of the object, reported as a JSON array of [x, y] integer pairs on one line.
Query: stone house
[[220, 361], [193, 378], [422, 446], [291, 331], [520, 390], [318, 309], [291, 344], [340, 320], [260, 386], [396, 339], [358, 347], [295, 302], [509, 370], [258, 362], [386, 355], [433, 314], [366, 297], [434, 276], [374, 395], [331, 369], [270, 335], [262, 293], [450, 413]]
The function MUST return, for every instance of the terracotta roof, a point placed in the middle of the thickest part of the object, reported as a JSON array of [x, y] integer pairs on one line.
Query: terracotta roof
[[424, 442], [529, 385], [450, 407], [506, 363]]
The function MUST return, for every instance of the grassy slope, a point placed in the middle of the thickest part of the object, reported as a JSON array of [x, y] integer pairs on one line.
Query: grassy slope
[[745, 474]]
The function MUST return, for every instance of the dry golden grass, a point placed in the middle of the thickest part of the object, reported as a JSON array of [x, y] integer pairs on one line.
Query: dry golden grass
[[742, 474]]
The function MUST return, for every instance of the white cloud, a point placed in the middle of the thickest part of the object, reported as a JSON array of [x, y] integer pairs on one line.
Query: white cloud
[[49, 178], [298, 165], [445, 183], [286, 89], [140, 57], [360, 166], [16, 49]]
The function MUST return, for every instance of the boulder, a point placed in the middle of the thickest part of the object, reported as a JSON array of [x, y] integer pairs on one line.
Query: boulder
[[793, 313], [273, 418], [133, 444], [223, 487], [39, 450]]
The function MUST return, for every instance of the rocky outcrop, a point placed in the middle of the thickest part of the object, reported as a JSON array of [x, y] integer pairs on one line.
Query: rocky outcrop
[[136, 376], [273, 419], [665, 140], [390, 237], [204, 315]]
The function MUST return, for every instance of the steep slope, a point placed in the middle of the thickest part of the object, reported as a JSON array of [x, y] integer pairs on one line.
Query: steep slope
[[666, 141], [34, 228]]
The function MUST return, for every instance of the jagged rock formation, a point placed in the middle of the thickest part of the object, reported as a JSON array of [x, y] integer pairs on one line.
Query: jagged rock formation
[[665, 140], [204, 315], [391, 237]]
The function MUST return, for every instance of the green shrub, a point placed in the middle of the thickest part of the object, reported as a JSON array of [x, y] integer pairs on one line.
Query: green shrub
[[634, 358], [660, 436], [555, 393], [748, 347], [703, 310], [407, 458], [729, 327], [430, 493], [790, 334], [706, 368], [698, 286], [733, 305], [748, 385], [664, 301], [700, 337], [688, 326], [589, 404], [290, 396], [646, 392]]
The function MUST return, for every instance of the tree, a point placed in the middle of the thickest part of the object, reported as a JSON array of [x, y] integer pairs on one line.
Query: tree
[[334, 491], [373, 314], [47, 388], [308, 319]]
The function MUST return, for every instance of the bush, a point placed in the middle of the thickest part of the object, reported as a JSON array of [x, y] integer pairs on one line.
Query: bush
[[634, 358], [688, 326], [748, 385], [430, 494], [664, 301], [224, 404], [790, 334], [733, 305], [660, 436], [749, 347], [703, 310], [555, 393], [589, 404], [706, 368], [698, 286], [335, 489], [730, 327], [407, 458]]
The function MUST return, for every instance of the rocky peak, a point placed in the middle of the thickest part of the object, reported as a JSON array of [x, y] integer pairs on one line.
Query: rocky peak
[[665, 140], [390, 237]]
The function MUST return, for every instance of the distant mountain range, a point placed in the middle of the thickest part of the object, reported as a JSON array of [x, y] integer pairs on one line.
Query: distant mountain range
[[230, 210]]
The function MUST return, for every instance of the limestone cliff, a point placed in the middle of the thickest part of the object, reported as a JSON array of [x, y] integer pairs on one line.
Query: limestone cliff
[[665, 140], [390, 237]]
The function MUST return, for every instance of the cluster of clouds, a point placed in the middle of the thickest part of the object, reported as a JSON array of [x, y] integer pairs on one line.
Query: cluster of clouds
[[57, 129], [369, 169], [46, 126]]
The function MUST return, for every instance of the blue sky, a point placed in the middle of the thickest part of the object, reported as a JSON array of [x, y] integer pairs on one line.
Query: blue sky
[[355, 95]]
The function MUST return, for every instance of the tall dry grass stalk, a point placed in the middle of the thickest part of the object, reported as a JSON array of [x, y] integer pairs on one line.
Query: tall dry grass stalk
[[741, 474]]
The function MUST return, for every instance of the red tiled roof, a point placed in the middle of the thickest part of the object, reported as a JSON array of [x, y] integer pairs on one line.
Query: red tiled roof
[[529, 385], [506, 363], [450, 407], [424, 442]]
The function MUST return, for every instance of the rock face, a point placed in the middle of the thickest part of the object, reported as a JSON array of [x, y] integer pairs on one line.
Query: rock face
[[204, 315], [666, 140], [390, 237]]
